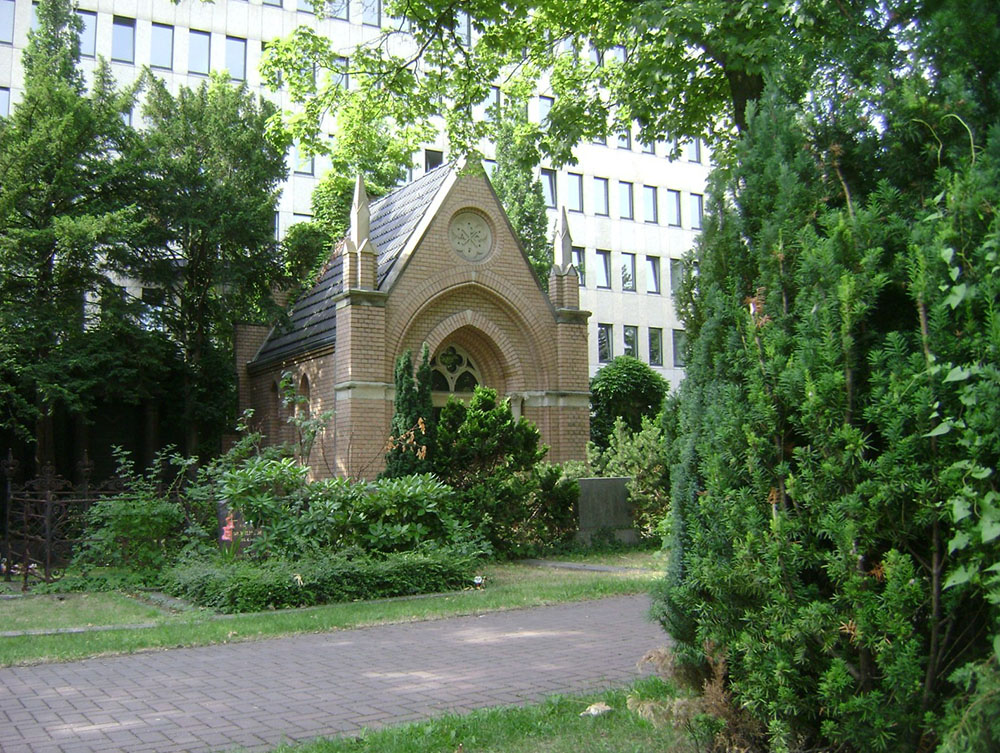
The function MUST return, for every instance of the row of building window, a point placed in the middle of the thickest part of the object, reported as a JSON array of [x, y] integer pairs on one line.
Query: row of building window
[[657, 206], [630, 344], [629, 266]]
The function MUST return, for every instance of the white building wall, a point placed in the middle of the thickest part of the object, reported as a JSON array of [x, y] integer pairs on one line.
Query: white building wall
[[260, 23]]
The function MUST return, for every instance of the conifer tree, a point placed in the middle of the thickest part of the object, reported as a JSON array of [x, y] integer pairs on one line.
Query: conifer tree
[[411, 444], [520, 192], [67, 183]]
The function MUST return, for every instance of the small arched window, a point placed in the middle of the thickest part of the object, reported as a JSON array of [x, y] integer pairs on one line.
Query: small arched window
[[453, 370]]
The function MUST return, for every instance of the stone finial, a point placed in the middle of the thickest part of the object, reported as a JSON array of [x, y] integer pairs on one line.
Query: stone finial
[[360, 214], [563, 252]]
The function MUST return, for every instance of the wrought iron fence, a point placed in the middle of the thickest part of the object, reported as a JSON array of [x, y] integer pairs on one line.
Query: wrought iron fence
[[44, 519]]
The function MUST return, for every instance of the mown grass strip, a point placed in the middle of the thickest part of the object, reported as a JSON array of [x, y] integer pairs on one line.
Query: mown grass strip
[[554, 726]]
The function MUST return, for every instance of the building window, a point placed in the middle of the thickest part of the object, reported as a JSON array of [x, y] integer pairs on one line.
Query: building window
[[490, 166], [549, 187], [580, 262], [199, 51], [432, 158], [544, 108], [123, 39], [631, 333], [680, 343], [628, 271], [655, 346], [596, 56], [305, 6], [340, 75], [601, 140], [604, 257], [625, 140], [651, 211], [127, 117], [161, 47], [339, 9], [88, 34], [693, 150], [676, 276], [371, 12], [454, 371], [653, 274], [574, 192], [304, 165], [276, 3], [493, 103], [236, 58], [601, 196], [649, 148], [697, 204], [626, 209], [7, 21], [463, 27], [277, 226], [673, 208], [605, 338], [34, 16], [4, 102]]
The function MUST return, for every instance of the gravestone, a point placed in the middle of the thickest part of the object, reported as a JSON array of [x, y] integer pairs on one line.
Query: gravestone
[[604, 510]]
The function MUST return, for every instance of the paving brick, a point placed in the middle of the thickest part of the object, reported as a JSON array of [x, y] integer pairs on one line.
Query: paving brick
[[255, 694]]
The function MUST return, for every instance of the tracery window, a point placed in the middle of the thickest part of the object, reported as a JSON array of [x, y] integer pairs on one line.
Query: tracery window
[[453, 370]]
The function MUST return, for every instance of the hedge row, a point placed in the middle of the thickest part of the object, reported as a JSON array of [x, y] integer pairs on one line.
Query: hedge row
[[243, 586]]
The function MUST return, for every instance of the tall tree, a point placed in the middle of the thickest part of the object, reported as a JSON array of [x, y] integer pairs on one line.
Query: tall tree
[[66, 187], [214, 257], [520, 191], [412, 444]]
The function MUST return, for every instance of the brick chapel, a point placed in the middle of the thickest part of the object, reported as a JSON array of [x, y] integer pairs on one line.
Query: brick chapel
[[434, 262]]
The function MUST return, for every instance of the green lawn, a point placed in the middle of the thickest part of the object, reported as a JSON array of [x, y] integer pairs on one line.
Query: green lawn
[[554, 726], [74, 610], [647, 559], [507, 586]]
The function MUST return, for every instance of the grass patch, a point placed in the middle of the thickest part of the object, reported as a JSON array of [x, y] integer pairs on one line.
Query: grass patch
[[74, 610], [554, 726], [646, 559], [508, 586]]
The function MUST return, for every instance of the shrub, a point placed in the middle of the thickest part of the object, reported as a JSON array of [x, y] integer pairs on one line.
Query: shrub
[[625, 389], [243, 586], [643, 457]]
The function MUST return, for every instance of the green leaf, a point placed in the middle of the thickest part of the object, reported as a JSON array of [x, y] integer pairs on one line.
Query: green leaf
[[959, 508], [957, 374], [957, 295], [937, 431], [959, 541], [962, 575], [990, 526]]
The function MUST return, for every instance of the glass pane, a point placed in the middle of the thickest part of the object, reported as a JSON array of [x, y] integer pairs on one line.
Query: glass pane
[[696, 209], [575, 191], [466, 382], [544, 107], [236, 58], [679, 345], [4, 102], [655, 346], [625, 195], [273, 2], [631, 333], [601, 196], [676, 275], [628, 271], [161, 51], [199, 44], [605, 271], [580, 261], [673, 208], [652, 274], [88, 35], [7, 21], [649, 201], [339, 9], [549, 187], [371, 12], [123, 40], [604, 335]]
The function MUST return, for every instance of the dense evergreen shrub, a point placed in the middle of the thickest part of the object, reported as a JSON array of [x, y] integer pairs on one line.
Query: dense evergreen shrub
[[833, 524], [625, 389], [278, 583]]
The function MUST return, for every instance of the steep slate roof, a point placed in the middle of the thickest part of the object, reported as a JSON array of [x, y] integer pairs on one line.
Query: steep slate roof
[[312, 322]]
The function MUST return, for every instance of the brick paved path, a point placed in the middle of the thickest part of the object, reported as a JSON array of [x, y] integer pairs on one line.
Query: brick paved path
[[260, 693]]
